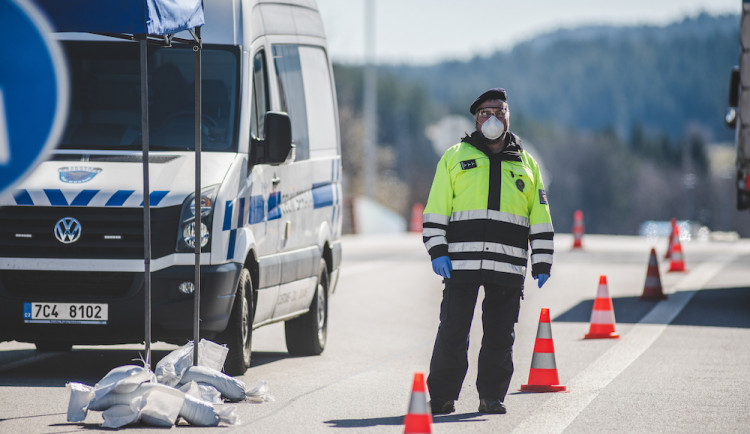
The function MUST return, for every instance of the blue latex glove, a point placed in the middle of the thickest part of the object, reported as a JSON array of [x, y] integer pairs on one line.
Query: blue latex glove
[[442, 267], [541, 279]]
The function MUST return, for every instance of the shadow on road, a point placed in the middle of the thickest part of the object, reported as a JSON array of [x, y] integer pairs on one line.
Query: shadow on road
[[399, 420], [723, 307], [54, 369], [88, 366], [261, 358]]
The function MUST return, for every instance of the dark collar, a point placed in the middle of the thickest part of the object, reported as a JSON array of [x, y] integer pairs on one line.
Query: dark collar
[[511, 151]]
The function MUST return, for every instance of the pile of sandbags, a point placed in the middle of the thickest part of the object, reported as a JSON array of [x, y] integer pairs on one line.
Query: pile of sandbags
[[177, 389]]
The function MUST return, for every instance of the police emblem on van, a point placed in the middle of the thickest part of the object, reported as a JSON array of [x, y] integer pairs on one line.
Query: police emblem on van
[[78, 175]]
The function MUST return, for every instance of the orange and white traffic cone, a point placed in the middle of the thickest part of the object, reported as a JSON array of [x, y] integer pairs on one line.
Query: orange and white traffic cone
[[415, 224], [418, 420], [543, 374], [652, 289], [602, 315], [677, 261], [673, 235], [578, 229]]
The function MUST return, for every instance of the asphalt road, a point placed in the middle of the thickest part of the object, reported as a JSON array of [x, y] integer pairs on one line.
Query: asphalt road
[[680, 365]]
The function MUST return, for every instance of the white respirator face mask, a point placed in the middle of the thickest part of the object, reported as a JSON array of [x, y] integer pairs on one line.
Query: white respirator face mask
[[492, 128]]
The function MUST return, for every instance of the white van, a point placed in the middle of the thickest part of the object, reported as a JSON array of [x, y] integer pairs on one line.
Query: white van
[[71, 235]]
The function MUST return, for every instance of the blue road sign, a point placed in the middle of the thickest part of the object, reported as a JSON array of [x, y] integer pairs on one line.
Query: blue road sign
[[33, 90]]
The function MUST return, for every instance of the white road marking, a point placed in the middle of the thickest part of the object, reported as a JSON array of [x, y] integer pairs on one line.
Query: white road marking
[[560, 410]]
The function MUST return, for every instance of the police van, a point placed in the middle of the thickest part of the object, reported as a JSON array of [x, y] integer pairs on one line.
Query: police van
[[71, 234]]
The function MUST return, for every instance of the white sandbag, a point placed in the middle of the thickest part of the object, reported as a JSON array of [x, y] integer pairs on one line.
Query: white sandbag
[[123, 379], [228, 415], [230, 387], [80, 399], [260, 392], [104, 402], [206, 392], [169, 369], [160, 406], [198, 412], [120, 415]]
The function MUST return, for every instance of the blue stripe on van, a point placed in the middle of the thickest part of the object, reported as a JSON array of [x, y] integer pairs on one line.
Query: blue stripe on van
[[155, 197], [274, 211], [232, 239], [119, 197], [257, 211], [322, 195], [241, 213], [83, 198], [23, 197], [56, 197], [227, 215]]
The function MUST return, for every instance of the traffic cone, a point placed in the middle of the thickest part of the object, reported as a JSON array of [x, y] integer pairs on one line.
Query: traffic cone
[[674, 234], [416, 218], [677, 261], [578, 229], [652, 289], [602, 315], [418, 420], [543, 374]]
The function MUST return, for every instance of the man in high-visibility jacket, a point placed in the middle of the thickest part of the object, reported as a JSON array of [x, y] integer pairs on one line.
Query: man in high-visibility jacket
[[487, 206]]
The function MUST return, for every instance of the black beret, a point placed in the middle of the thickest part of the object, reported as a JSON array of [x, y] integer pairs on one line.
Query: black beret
[[496, 93]]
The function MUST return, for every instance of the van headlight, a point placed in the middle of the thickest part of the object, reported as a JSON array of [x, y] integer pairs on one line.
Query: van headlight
[[186, 236]]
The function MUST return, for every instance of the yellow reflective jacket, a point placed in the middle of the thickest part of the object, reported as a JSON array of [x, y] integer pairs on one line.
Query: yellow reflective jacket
[[485, 210]]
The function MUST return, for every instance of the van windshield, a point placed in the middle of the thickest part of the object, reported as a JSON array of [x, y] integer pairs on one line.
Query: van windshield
[[105, 111]]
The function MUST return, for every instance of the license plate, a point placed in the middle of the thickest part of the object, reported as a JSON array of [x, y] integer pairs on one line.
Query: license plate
[[65, 313]]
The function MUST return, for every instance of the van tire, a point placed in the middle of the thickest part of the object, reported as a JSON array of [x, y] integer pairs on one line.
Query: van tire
[[306, 335], [52, 346], [238, 335]]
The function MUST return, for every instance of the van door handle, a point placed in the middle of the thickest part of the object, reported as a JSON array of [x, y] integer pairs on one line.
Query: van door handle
[[275, 180]]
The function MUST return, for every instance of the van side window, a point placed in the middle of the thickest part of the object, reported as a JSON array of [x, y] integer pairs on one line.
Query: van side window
[[321, 101], [292, 94], [260, 95]]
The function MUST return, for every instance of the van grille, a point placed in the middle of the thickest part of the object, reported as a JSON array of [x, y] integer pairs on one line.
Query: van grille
[[30, 284], [107, 233]]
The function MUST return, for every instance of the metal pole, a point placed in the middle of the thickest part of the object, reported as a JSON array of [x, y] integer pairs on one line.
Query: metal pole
[[198, 234], [369, 156], [146, 198]]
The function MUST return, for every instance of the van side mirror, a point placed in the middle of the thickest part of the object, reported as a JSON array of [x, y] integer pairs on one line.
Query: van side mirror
[[734, 87], [734, 98], [277, 145]]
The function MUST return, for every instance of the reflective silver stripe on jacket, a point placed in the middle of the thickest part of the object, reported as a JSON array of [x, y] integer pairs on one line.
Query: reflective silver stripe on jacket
[[435, 218], [478, 214], [486, 264], [480, 246], [433, 232], [542, 244], [541, 227], [435, 241], [537, 258]]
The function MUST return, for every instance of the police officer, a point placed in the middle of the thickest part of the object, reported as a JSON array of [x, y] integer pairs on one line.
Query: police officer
[[487, 206]]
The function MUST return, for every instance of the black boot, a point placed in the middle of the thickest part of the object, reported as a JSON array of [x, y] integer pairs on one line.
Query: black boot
[[494, 406]]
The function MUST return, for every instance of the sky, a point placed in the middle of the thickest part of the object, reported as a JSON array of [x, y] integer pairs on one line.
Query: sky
[[429, 31]]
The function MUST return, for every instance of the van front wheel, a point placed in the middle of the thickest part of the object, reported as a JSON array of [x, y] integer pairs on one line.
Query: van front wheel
[[239, 332], [306, 335]]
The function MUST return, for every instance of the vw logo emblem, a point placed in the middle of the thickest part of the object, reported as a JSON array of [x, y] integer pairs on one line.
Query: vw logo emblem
[[68, 230]]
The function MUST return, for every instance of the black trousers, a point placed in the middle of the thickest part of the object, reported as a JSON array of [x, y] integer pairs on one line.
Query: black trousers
[[449, 356]]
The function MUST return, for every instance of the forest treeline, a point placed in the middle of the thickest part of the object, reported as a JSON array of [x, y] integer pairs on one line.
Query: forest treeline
[[628, 122]]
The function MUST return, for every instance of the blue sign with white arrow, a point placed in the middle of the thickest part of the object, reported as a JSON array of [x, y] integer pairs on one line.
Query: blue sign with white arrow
[[33, 90]]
